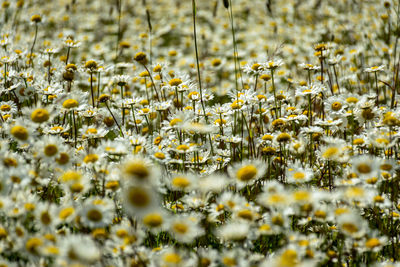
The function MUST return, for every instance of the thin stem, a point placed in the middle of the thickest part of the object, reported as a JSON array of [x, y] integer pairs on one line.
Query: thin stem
[[91, 87], [119, 5], [336, 78], [152, 82], [75, 128], [150, 29], [273, 89], [98, 87], [197, 57], [33, 45], [235, 53], [68, 51], [377, 89], [109, 110]]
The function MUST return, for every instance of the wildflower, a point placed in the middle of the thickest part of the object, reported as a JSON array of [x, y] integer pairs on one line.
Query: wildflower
[[137, 169], [36, 18], [185, 228], [365, 166], [374, 69], [91, 65], [182, 182], [96, 213], [141, 58], [139, 199], [235, 231], [79, 249], [298, 175], [247, 172], [334, 152], [154, 220], [273, 64]]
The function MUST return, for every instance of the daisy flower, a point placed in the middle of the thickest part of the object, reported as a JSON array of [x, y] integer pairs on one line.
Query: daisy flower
[[247, 172]]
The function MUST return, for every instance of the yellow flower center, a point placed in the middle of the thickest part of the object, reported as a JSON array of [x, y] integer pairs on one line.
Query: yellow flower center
[[299, 176], [288, 258], [350, 227], [159, 155], [70, 103], [283, 137], [175, 82], [138, 198], [320, 214], [172, 258], [91, 131], [301, 196], [40, 115], [364, 168], [245, 214], [94, 215], [153, 220], [229, 261], [265, 227], [180, 182], [330, 152], [33, 243], [71, 176], [352, 100], [220, 122], [45, 218], [336, 106], [137, 169], [76, 187], [20, 132], [246, 173], [173, 122], [182, 147], [91, 158], [63, 158], [66, 212], [10, 162], [5, 107], [50, 150], [358, 141], [372, 243], [181, 228]]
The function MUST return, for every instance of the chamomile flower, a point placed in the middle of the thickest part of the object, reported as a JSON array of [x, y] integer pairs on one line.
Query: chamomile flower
[[374, 69], [247, 173], [39, 114], [273, 196], [352, 224], [365, 166], [182, 182], [79, 249], [72, 102], [185, 228], [48, 148], [298, 175], [139, 199], [213, 183], [234, 231], [21, 131], [7, 107], [334, 152], [74, 181], [154, 220], [139, 170], [96, 213], [45, 216]]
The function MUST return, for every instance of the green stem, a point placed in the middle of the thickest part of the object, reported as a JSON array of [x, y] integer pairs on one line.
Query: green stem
[[33, 45], [197, 58]]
